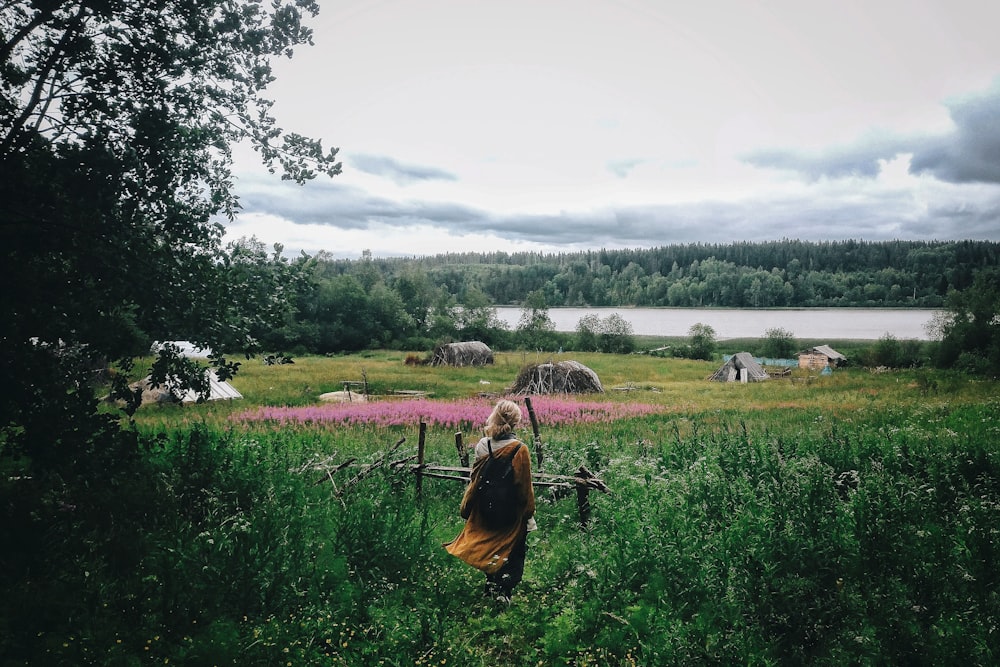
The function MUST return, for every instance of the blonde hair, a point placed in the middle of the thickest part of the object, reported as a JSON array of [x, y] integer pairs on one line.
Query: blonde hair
[[503, 420]]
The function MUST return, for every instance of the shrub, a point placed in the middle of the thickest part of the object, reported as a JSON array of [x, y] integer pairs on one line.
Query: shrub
[[778, 344]]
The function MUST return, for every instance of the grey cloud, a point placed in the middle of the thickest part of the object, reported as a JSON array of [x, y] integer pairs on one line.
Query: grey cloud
[[399, 173], [882, 215], [329, 203], [970, 153], [621, 168], [858, 159], [323, 202]]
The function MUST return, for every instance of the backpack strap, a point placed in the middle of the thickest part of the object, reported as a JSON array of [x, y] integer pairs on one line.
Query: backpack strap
[[489, 447]]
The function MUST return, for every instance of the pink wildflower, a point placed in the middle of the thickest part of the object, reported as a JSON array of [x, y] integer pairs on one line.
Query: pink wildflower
[[466, 413]]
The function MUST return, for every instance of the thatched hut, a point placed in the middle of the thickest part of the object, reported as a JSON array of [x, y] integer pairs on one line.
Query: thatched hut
[[469, 353], [741, 367], [562, 377]]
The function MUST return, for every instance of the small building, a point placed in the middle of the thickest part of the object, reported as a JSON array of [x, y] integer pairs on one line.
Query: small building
[[741, 367], [820, 357]]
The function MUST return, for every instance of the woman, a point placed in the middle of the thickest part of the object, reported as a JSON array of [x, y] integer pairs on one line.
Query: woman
[[498, 552]]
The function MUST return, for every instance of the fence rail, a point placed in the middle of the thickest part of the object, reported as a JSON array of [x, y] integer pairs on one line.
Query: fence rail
[[584, 481]]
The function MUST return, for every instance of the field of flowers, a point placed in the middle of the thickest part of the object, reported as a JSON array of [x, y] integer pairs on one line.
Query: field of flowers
[[456, 414], [849, 520]]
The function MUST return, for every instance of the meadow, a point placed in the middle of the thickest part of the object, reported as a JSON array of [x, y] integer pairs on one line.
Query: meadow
[[842, 519]]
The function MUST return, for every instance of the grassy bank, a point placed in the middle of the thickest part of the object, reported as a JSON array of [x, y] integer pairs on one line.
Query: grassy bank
[[844, 519]]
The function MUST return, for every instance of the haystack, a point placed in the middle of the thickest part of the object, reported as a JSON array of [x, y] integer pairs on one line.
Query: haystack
[[469, 353], [741, 367], [561, 377]]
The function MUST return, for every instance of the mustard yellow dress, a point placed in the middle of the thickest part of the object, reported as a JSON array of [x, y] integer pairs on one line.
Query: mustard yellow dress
[[485, 549]]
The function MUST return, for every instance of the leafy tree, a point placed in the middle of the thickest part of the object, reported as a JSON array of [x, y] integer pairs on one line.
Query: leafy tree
[[443, 316], [610, 334], [478, 320], [116, 122], [342, 313], [702, 343], [970, 331], [588, 329], [778, 343], [535, 329], [891, 352], [887, 352], [418, 294], [616, 335], [270, 282], [116, 126]]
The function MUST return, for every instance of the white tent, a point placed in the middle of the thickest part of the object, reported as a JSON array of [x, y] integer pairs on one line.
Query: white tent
[[219, 390], [185, 348]]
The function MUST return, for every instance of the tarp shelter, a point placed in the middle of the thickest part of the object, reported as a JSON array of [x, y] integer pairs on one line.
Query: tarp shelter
[[219, 390], [821, 356], [741, 367]]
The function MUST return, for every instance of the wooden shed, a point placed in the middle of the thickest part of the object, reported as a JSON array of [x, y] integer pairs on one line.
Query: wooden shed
[[820, 357], [469, 353], [741, 367]]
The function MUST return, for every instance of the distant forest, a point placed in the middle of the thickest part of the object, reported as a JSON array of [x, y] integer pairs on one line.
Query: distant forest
[[736, 275], [410, 303]]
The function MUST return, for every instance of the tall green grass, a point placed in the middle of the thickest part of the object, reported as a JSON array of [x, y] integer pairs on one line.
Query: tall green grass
[[847, 520]]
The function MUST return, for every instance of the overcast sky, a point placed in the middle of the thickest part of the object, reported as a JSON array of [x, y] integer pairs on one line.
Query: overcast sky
[[559, 126]]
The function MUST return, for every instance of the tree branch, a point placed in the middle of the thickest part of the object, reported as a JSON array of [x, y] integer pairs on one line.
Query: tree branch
[[7, 49], [10, 140]]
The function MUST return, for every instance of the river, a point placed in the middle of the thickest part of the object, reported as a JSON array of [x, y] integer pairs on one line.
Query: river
[[812, 323]]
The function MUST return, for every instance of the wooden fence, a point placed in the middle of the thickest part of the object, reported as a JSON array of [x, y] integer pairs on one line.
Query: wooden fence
[[583, 481]]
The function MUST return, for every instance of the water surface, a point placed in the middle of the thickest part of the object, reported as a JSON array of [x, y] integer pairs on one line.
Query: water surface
[[832, 323]]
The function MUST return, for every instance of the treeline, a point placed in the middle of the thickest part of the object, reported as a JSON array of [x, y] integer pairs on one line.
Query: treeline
[[739, 275], [411, 303]]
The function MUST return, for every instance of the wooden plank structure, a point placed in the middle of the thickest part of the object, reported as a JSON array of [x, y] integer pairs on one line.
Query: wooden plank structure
[[820, 357], [362, 384]]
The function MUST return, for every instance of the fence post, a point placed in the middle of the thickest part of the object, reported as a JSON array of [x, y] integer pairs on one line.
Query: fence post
[[463, 453], [534, 429], [420, 457], [585, 481], [583, 503]]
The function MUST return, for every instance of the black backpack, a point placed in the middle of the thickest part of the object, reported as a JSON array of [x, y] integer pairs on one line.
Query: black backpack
[[496, 496]]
